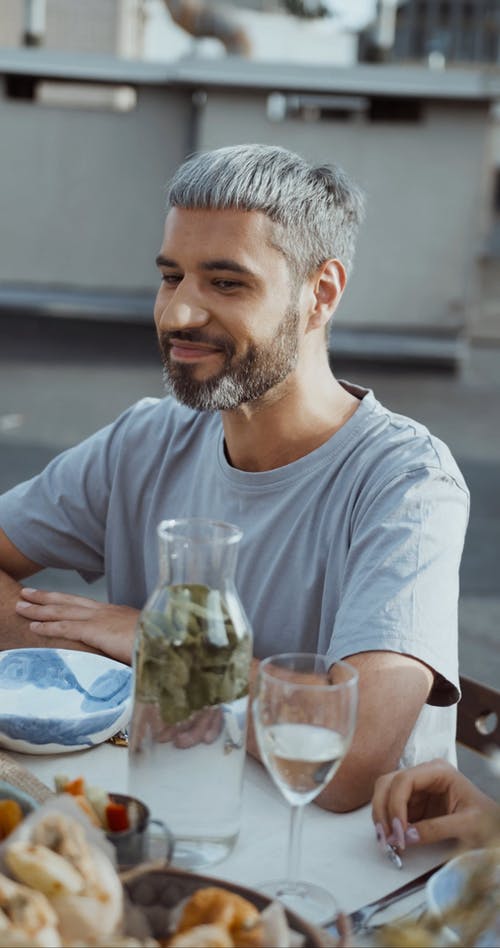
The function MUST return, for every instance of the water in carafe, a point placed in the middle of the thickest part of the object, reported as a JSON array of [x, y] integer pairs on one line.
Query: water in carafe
[[191, 672]]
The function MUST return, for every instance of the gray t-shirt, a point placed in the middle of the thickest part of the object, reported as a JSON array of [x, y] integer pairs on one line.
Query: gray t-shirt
[[353, 548]]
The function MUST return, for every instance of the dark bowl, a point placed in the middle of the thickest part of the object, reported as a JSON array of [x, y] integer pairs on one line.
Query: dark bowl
[[156, 891]]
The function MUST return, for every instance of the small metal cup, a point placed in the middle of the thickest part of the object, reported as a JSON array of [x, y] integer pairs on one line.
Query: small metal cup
[[136, 844]]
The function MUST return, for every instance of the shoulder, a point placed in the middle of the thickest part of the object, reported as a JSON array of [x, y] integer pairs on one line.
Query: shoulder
[[151, 420], [395, 447]]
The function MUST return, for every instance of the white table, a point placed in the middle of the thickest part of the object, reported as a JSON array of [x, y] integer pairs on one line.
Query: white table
[[339, 851]]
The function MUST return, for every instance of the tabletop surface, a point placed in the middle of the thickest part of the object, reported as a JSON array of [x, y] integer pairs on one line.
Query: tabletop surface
[[339, 851]]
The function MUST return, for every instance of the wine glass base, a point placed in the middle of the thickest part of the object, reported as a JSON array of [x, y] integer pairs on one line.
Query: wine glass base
[[312, 902]]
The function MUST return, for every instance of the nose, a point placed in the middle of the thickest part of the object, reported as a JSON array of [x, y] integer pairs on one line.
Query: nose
[[181, 310]]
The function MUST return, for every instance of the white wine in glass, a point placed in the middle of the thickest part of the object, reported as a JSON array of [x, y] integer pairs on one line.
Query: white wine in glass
[[305, 713]]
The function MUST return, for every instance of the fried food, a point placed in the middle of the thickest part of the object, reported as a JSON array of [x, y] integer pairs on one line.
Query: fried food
[[96, 912], [214, 905], [67, 893], [84, 890], [26, 916], [10, 816], [67, 838], [42, 869], [203, 936]]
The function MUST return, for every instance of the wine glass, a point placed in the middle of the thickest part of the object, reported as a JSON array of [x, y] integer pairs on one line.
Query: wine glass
[[304, 712]]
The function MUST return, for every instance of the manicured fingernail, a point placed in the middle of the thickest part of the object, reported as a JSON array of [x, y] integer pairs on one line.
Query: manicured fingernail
[[412, 835], [399, 834], [23, 605], [379, 832], [28, 590], [35, 626]]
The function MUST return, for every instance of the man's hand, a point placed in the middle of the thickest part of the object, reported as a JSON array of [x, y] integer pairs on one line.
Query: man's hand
[[202, 727], [106, 628]]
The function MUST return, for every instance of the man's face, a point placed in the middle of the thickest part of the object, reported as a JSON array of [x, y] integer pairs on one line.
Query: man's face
[[227, 321]]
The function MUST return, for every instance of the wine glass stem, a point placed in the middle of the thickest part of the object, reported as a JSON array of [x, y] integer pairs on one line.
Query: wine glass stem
[[294, 843]]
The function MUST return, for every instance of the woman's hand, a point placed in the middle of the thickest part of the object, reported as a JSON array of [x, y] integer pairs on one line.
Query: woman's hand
[[427, 803], [106, 628]]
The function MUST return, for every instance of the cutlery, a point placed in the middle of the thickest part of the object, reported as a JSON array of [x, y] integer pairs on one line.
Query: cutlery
[[361, 917], [393, 855]]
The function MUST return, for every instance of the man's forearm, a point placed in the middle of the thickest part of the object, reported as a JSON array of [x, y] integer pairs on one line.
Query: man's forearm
[[392, 691], [15, 630]]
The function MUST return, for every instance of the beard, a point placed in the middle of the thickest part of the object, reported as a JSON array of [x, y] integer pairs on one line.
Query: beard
[[241, 379]]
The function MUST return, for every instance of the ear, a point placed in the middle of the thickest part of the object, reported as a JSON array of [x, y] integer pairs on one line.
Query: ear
[[328, 285]]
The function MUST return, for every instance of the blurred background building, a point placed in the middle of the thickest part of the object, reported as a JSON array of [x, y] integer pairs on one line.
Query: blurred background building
[[115, 27], [103, 98], [439, 32]]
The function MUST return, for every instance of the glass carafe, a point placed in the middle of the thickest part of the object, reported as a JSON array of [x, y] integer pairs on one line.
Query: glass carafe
[[191, 673]]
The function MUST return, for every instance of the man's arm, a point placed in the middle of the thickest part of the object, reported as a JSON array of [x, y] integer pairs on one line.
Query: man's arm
[[64, 621], [15, 630], [392, 691]]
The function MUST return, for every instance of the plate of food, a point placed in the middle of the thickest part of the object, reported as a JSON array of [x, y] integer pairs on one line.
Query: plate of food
[[182, 909], [63, 869], [59, 700]]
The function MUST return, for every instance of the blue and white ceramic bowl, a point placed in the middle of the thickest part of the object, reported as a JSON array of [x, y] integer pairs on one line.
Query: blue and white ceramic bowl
[[57, 700], [450, 883]]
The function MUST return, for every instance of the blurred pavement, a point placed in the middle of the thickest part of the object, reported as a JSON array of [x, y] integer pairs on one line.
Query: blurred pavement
[[60, 381]]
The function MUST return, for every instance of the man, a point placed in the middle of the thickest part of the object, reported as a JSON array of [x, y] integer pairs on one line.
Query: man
[[353, 517]]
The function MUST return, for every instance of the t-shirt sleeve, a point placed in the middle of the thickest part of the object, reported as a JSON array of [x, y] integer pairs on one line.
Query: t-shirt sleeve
[[58, 518], [401, 580]]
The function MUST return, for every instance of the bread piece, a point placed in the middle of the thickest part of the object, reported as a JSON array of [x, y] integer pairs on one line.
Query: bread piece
[[98, 911], [203, 936], [27, 916], [214, 905], [42, 869]]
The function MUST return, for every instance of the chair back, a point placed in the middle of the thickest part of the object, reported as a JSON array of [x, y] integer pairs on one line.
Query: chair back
[[478, 716]]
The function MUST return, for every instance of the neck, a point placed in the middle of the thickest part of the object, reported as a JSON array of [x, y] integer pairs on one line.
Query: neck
[[292, 420]]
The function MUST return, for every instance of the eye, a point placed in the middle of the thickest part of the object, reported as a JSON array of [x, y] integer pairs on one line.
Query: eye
[[170, 279], [227, 284]]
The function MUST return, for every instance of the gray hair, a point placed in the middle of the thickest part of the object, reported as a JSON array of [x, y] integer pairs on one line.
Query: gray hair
[[316, 209]]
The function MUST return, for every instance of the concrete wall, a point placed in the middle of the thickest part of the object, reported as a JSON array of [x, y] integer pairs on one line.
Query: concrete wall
[[423, 181], [82, 191]]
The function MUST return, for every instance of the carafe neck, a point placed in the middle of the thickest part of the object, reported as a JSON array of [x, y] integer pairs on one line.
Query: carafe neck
[[196, 551]]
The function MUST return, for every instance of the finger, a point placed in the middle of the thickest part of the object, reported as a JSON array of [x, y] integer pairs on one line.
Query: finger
[[52, 611], [192, 736], [187, 724], [44, 596], [397, 791], [380, 799], [63, 630], [460, 825], [214, 726], [344, 929]]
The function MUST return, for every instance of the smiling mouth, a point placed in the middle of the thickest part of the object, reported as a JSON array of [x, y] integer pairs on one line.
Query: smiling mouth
[[182, 351]]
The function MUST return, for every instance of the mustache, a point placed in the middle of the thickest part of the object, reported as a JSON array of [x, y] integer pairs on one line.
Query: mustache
[[166, 339]]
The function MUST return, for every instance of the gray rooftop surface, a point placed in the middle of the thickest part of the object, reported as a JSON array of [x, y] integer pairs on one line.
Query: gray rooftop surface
[[472, 85]]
